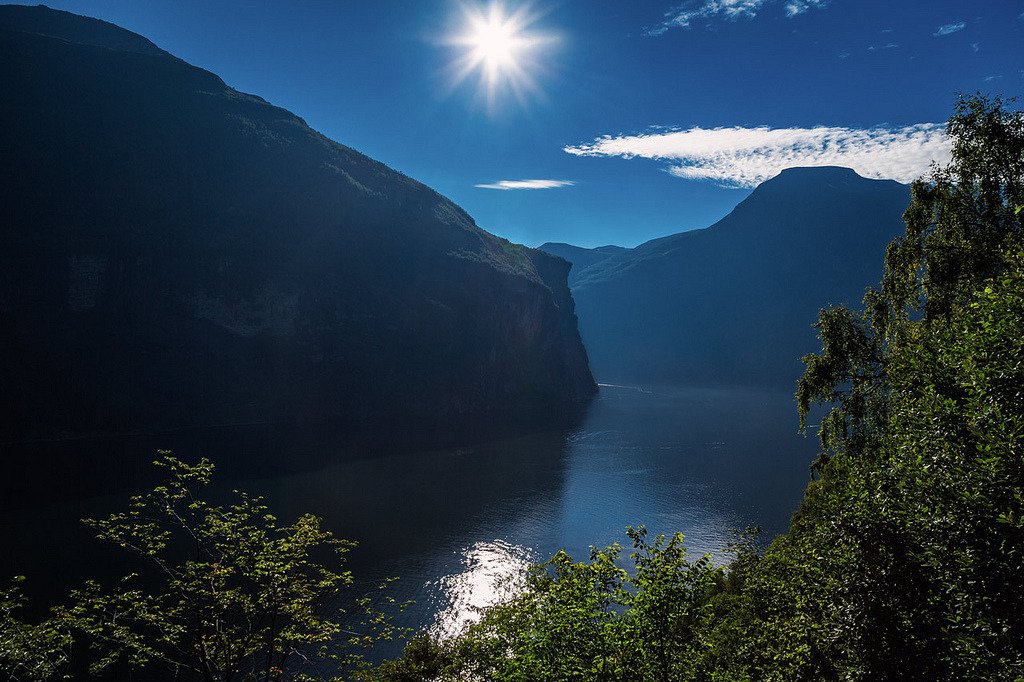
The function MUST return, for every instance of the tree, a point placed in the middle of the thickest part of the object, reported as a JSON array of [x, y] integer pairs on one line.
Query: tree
[[561, 627], [582, 620], [909, 525], [958, 225], [666, 595], [29, 652], [250, 603]]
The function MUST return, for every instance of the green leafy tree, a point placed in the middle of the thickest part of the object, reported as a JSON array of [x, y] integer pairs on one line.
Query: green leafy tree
[[230, 593], [559, 628], [587, 620], [29, 652], [904, 561], [903, 530], [960, 220], [663, 604]]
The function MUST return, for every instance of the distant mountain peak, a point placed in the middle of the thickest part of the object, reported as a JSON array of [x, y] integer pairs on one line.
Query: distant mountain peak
[[819, 171], [581, 257], [818, 176], [734, 303]]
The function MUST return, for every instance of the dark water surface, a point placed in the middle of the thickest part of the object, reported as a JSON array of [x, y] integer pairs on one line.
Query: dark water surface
[[456, 525]]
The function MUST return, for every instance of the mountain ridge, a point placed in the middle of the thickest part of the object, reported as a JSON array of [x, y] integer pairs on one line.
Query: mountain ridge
[[734, 302], [179, 253]]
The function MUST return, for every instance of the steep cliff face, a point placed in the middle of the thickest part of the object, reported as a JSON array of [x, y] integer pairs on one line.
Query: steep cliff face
[[177, 253]]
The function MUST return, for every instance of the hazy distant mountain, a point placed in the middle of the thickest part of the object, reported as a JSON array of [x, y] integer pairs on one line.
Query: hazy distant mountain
[[580, 257], [174, 252], [734, 303]]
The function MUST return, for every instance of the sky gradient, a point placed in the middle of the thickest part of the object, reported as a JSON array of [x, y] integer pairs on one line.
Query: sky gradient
[[645, 117]]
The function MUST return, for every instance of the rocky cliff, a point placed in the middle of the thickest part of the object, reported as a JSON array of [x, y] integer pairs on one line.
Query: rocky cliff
[[176, 253]]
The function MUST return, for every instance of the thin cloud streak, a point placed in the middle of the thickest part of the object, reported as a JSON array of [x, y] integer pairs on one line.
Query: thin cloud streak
[[946, 29], [681, 16], [527, 184], [746, 157]]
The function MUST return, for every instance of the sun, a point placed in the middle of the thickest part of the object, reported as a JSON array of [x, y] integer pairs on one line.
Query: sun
[[500, 46], [495, 40]]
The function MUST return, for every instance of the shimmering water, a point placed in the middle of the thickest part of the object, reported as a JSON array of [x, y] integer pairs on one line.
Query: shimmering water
[[459, 526]]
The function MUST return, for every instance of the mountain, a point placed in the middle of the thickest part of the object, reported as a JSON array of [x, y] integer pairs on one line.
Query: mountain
[[580, 257], [734, 303], [176, 253]]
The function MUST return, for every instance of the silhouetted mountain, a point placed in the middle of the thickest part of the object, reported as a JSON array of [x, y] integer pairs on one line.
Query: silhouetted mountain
[[177, 253], [580, 257], [734, 303]]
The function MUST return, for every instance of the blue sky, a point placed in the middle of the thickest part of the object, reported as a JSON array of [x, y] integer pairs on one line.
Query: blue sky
[[661, 114]]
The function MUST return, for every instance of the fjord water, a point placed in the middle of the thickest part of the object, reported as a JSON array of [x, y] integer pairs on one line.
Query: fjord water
[[458, 525]]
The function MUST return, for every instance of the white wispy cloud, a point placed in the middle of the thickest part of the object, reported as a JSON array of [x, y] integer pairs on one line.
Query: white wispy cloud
[[681, 16], [527, 184], [795, 7], [745, 157], [946, 29]]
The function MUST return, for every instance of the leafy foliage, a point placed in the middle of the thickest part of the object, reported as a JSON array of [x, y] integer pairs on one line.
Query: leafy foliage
[[588, 620], [249, 605], [958, 223], [29, 652], [225, 593]]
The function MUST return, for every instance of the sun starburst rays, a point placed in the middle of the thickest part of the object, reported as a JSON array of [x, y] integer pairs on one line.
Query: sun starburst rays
[[500, 48]]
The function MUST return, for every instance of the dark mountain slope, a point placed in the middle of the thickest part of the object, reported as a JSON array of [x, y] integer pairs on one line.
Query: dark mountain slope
[[177, 253], [734, 303]]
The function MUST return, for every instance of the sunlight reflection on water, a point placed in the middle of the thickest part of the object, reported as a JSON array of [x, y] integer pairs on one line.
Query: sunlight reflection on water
[[461, 526], [491, 572]]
